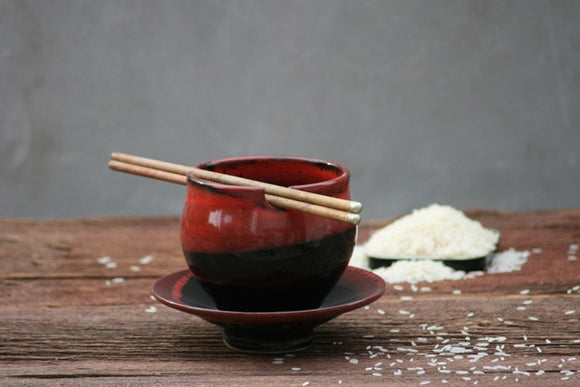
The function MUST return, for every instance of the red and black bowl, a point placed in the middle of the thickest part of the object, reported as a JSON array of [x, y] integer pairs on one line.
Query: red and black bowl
[[250, 256]]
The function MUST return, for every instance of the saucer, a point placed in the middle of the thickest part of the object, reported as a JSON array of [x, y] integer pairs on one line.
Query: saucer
[[269, 332]]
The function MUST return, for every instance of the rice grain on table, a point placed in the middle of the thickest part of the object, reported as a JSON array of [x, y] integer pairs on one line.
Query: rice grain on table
[[508, 261], [146, 260], [104, 260]]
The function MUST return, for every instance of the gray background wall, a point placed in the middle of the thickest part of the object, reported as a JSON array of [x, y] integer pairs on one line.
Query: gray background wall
[[468, 103]]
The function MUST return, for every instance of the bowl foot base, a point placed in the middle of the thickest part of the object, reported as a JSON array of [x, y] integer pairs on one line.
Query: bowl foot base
[[262, 339]]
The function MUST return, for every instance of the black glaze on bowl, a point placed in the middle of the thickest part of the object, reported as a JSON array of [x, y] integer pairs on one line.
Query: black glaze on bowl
[[294, 277], [269, 332], [464, 264]]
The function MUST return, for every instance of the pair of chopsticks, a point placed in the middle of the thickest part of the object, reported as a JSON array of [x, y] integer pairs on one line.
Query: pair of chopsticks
[[277, 196]]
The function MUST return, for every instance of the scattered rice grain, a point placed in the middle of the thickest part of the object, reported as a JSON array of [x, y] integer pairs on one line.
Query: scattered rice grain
[[403, 349], [146, 259], [103, 260]]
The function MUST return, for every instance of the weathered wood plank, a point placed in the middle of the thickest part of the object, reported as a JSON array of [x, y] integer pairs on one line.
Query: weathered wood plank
[[475, 338], [71, 248], [63, 319]]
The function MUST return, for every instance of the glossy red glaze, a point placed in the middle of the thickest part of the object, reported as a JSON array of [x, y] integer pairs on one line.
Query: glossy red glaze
[[251, 256], [221, 218]]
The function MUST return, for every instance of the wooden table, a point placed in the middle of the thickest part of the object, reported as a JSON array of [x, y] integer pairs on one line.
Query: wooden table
[[69, 316]]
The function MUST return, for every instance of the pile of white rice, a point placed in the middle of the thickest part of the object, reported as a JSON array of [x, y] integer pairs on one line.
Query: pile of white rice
[[435, 231]]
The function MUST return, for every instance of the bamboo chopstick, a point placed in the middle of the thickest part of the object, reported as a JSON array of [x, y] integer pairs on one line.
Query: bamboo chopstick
[[281, 197], [303, 196]]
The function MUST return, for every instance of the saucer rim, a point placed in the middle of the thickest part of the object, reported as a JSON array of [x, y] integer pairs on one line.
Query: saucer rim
[[225, 317]]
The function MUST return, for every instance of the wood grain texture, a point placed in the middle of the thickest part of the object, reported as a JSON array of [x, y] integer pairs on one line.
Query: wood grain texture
[[65, 321]]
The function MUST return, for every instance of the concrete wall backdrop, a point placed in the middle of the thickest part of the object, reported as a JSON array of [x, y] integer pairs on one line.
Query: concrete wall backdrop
[[461, 102]]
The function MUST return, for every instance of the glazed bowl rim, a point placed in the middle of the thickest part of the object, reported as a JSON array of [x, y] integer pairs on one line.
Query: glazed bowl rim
[[342, 177]]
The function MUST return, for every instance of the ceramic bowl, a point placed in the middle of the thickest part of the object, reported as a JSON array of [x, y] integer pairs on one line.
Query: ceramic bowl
[[251, 256]]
